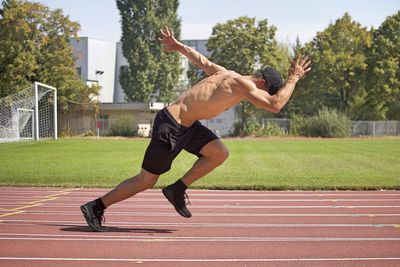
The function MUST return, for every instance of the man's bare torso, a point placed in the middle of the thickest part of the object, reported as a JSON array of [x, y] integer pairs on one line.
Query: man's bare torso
[[208, 98]]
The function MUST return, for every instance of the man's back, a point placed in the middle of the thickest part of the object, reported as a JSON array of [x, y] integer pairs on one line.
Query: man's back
[[209, 97]]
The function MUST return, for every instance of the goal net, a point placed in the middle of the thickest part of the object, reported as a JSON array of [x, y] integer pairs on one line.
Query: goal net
[[30, 114]]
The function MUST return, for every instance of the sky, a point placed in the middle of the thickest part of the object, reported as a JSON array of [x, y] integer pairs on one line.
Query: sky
[[100, 19]]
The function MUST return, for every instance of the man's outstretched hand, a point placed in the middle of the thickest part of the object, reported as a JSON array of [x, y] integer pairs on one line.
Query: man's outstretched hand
[[299, 67], [168, 39]]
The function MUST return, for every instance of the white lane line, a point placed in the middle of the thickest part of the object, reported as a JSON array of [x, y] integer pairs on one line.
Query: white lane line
[[271, 240], [219, 193], [203, 260], [79, 237], [170, 214], [203, 225], [60, 205], [138, 199]]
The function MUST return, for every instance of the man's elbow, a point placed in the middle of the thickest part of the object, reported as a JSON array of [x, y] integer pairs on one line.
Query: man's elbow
[[275, 110], [275, 107]]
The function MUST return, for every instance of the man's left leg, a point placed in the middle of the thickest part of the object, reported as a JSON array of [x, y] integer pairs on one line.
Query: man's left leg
[[213, 154]]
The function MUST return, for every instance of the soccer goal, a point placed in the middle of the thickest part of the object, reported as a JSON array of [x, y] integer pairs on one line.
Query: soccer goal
[[30, 114]]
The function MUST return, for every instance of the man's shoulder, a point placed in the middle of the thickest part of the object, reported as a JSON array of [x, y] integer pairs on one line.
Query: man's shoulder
[[242, 84], [227, 73]]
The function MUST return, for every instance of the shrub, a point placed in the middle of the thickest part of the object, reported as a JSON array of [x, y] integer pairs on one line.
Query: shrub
[[252, 127], [327, 123], [330, 123], [299, 125], [123, 127], [90, 133], [272, 129]]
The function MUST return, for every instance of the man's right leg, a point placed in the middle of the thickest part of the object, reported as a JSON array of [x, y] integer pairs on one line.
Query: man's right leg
[[130, 187], [94, 210]]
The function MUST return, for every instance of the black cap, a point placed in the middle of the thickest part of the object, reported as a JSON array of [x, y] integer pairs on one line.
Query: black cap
[[273, 79]]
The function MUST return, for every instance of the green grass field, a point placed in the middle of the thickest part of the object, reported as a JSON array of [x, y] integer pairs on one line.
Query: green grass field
[[253, 164]]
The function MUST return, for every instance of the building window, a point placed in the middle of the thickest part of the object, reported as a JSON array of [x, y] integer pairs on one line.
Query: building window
[[79, 71]]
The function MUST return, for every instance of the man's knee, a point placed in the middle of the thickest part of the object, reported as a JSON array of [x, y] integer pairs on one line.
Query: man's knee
[[215, 151], [220, 155], [148, 180]]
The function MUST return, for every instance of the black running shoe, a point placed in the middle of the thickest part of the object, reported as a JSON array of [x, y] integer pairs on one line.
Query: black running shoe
[[94, 218], [177, 200]]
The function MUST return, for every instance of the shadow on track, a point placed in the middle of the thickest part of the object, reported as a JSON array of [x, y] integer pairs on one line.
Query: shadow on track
[[119, 230]]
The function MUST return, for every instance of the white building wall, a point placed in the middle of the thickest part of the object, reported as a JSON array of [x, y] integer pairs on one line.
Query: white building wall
[[101, 67], [96, 61], [119, 95]]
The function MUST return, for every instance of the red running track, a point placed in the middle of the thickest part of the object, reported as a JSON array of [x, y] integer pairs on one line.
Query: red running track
[[44, 227]]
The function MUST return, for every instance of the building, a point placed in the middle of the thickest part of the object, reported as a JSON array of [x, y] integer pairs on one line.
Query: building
[[99, 62], [96, 63]]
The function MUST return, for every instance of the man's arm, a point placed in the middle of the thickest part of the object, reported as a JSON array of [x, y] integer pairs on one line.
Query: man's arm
[[275, 103], [171, 45]]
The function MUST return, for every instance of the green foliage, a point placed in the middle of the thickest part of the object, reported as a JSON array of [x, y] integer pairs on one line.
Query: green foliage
[[384, 67], [327, 123], [393, 112], [298, 125], [354, 70], [195, 74], [253, 128], [123, 127], [34, 46], [271, 129], [149, 72], [245, 46], [339, 62]]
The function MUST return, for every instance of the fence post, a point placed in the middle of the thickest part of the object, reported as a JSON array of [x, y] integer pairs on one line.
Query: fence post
[[373, 128]]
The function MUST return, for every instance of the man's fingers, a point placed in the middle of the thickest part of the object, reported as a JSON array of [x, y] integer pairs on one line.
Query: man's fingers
[[162, 32], [169, 31], [306, 64], [298, 58], [307, 70], [304, 60]]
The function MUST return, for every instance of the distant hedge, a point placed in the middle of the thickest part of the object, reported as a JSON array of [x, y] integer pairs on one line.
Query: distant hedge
[[327, 123], [123, 127]]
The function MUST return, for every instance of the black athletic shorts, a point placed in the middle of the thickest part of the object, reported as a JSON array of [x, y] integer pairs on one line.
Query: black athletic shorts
[[169, 138]]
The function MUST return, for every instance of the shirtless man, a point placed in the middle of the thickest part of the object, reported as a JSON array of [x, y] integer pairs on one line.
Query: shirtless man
[[177, 126]]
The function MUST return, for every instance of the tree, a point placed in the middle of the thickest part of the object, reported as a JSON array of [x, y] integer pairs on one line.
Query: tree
[[194, 74], [339, 63], [244, 46], [34, 46], [384, 69], [150, 72]]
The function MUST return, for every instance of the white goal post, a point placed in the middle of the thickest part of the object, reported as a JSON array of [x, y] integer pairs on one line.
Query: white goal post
[[45, 126], [25, 124], [30, 114]]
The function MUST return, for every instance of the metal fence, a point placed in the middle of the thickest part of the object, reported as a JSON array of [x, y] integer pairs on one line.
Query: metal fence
[[359, 128], [375, 128]]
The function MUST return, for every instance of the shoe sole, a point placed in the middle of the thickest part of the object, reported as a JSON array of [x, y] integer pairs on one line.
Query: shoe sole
[[85, 213], [169, 196]]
